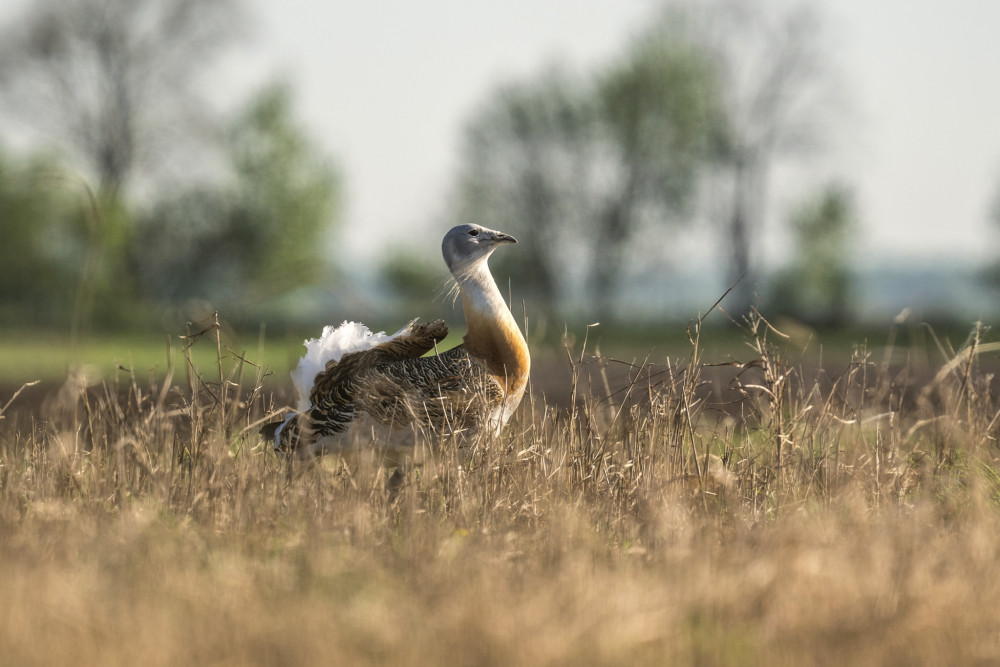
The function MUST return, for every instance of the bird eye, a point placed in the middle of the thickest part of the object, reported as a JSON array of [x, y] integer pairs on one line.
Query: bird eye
[[473, 232]]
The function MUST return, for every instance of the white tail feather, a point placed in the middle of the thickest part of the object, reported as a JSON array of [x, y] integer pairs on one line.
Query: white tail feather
[[332, 345]]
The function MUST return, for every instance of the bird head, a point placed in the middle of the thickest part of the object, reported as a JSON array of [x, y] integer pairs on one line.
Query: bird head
[[465, 245]]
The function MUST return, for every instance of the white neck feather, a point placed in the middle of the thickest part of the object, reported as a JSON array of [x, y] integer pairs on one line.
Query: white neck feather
[[480, 292]]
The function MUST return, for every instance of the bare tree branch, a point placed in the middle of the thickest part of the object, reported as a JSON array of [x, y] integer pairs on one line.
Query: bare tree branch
[[107, 77]]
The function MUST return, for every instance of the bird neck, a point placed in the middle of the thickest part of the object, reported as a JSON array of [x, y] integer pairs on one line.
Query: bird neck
[[493, 334]]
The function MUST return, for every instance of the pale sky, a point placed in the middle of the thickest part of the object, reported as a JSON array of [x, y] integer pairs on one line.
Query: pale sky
[[386, 86]]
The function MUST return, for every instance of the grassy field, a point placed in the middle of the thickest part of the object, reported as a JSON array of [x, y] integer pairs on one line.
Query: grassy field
[[761, 511], [47, 356]]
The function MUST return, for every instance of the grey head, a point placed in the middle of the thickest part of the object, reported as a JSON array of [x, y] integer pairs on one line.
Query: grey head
[[465, 245]]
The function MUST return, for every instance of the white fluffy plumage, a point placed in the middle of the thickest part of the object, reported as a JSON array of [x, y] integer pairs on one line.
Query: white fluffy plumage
[[332, 345]]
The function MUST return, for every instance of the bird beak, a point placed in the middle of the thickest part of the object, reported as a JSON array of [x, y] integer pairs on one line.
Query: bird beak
[[500, 237]]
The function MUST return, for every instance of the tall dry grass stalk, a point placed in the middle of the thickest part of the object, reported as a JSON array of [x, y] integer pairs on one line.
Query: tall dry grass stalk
[[742, 512]]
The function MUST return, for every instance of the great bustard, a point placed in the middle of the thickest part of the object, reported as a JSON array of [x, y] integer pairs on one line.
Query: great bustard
[[356, 387]]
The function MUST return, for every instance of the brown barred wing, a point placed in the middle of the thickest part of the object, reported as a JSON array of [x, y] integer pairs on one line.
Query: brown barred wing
[[336, 389], [333, 395], [449, 392], [446, 393]]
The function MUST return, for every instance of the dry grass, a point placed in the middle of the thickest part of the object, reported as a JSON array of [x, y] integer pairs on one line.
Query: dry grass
[[680, 514]]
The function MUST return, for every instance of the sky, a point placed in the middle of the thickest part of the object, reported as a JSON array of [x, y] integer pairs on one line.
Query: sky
[[386, 87], [925, 80]]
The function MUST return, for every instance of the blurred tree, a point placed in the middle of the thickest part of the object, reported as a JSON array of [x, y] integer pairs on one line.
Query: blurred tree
[[261, 237], [112, 80], [414, 276], [291, 190], [991, 272], [816, 286], [773, 77], [582, 166], [42, 235], [658, 106], [526, 171], [190, 246], [575, 167]]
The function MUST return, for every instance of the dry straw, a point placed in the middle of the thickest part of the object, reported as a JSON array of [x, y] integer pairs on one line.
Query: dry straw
[[715, 512]]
